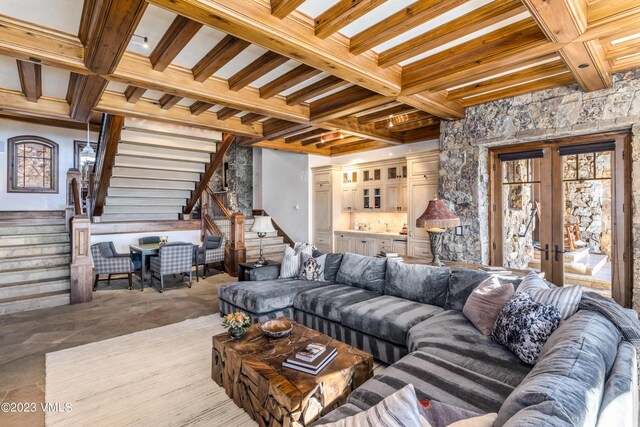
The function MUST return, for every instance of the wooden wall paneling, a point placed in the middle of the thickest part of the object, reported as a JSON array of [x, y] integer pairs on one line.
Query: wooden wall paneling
[[134, 93], [227, 49], [316, 89], [30, 79], [167, 101], [288, 80], [342, 14], [258, 68], [179, 33]]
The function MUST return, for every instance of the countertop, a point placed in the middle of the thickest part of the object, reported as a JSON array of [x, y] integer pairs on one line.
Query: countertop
[[394, 236]]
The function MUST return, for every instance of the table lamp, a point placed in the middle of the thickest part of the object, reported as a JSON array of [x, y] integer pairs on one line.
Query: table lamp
[[435, 219], [262, 225]]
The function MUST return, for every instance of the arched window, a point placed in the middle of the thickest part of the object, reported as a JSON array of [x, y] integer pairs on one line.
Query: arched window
[[33, 165]]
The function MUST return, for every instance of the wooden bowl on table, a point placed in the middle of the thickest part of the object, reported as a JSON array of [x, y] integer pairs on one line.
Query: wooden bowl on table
[[276, 328]]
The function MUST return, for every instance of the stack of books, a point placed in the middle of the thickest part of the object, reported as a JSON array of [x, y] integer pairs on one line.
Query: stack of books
[[390, 255], [498, 271], [312, 358]]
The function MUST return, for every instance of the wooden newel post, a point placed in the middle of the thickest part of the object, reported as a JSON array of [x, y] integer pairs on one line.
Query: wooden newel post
[[81, 263], [237, 248], [69, 211]]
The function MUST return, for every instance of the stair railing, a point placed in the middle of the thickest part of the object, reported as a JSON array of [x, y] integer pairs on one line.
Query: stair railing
[[79, 227], [213, 207], [288, 240]]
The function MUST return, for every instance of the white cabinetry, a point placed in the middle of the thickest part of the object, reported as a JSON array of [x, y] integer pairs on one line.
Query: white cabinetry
[[422, 185], [326, 211]]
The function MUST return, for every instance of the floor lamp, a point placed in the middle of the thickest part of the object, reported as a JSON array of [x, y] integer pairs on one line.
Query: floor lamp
[[262, 225], [435, 219]]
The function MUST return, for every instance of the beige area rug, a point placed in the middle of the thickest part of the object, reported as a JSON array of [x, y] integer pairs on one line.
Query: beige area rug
[[157, 377]]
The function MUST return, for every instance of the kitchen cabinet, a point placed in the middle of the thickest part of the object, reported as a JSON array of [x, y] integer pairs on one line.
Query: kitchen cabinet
[[395, 197], [422, 183], [344, 243], [326, 211], [399, 247], [364, 245], [350, 199], [372, 175]]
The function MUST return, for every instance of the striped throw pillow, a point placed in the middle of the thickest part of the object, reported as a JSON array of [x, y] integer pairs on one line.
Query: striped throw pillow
[[292, 260], [565, 299]]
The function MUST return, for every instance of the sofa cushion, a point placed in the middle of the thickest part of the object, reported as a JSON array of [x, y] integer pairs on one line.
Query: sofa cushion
[[485, 303], [568, 379], [328, 301], [450, 336], [463, 281], [265, 296], [437, 379], [343, 411], [362, 272], [417, 282], [386, 317], [620, 401], [565, 299]]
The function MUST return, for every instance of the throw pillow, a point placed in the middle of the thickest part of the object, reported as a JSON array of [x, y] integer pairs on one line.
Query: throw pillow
[[440, 414], [291, 260], [400, 409], [312, 268], [485, 302], [565, 299], [486, 420], [523, 326]]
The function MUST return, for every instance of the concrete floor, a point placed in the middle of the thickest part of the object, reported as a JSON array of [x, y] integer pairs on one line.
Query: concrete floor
[[26, 337]]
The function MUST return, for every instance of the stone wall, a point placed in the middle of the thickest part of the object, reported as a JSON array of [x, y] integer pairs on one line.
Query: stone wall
[[543, 115], [239, 178]]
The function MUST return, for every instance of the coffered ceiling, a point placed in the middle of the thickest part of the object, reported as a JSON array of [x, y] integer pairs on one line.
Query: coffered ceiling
[[320, 76]]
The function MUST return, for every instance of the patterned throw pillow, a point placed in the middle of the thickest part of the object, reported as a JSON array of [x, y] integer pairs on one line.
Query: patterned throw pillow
[[524, 326], [312, 268], [565, 299], [400, 409], [291, 261]]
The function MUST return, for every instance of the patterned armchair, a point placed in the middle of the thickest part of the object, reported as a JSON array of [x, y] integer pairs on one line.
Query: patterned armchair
[[211, 251], [172, 258], [107, 260]]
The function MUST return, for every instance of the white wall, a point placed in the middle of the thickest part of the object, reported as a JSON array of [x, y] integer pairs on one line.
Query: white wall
[[281, 187], [122, 241], [61, 136]]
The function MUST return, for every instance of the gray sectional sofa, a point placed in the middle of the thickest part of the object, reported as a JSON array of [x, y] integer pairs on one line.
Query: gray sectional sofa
[[410, 316]]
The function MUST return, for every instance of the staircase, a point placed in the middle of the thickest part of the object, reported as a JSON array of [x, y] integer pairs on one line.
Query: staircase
[[35, 255], [272, 244], [154, 174]]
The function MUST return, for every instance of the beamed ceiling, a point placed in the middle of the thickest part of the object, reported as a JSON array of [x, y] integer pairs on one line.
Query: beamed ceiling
[[328, 77]]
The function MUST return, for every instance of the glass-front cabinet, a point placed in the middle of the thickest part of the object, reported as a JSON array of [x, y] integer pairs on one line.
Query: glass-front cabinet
[[380, 186], [349, 177], [373, 174]]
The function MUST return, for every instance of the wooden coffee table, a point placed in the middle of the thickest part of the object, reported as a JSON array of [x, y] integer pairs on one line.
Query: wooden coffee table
[[251, 372]]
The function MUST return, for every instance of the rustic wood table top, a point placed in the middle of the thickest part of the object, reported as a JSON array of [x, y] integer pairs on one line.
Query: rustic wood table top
[[250, 369]]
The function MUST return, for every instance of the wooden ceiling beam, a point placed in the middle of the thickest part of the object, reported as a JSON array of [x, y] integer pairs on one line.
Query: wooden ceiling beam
[[306, 135], [59, 123], [275, 129], [200, 107], [227, 49], [251, 118], [351, 126], [179, 33], [115, 103], [469, 23], [511, 44], [316, 89], [415, 124], [342, 14], [544, 70], [410, 17], [167, 101], [136, 70], [288, 80], [30, 79], [343, 141], [564, 22], [384, 114], [355, 147], [281, 8], [83, 94], [345, 103], [258, 68], [15, 101], [395, 124], [109, 33], [226, 113], [251, 20], [421, 134], [278, 144], [134, 93]]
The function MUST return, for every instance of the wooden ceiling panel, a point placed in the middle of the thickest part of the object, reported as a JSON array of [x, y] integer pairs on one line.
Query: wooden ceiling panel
[[305, 136], [316, 89], [288, 80], [384, 114], [179, 33], [346, 102], [356, 147], [258, 68]]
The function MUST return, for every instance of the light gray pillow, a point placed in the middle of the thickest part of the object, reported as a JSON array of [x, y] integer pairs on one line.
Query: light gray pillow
[[312, 268], [565, 299], [290, 266], [485, 302]]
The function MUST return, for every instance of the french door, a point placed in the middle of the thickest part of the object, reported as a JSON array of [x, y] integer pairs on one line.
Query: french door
[[563, 207]]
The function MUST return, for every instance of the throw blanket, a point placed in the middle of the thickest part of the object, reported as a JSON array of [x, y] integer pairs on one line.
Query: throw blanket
[[628, 325]]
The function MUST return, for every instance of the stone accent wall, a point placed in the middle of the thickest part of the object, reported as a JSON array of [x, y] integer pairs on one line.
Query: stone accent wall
[[543, 115], [239, 178]]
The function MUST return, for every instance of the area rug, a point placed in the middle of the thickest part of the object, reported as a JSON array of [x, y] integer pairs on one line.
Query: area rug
[[157, 377]]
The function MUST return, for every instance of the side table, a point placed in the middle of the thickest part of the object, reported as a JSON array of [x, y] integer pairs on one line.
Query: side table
[[245, 267]]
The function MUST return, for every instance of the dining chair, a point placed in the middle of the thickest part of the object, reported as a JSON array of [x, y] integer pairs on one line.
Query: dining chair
[[173, 258], [107, 260], [211, 251]]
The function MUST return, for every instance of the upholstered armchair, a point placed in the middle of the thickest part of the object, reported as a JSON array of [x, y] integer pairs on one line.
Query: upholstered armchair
[[172, 258], [107, 260], [211, 251]]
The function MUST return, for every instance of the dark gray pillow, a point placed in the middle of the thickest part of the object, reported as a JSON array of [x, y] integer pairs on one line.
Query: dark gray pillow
[[331, 266], [105, 250], [363, 272], [463, 281], [417, 282], [524, 326], [212, 242]]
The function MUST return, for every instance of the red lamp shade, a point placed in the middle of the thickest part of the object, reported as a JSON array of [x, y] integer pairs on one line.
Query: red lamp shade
[[437, 215]]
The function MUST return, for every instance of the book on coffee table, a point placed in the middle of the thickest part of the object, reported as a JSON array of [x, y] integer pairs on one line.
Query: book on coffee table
[[313, 367]]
